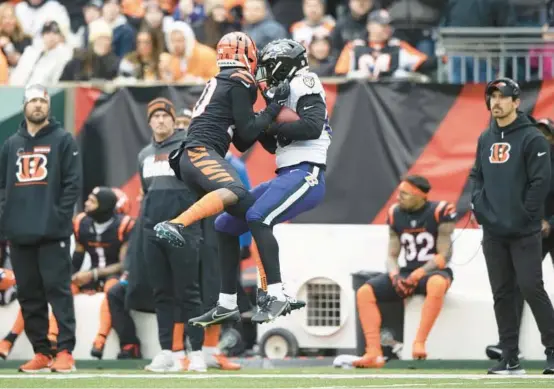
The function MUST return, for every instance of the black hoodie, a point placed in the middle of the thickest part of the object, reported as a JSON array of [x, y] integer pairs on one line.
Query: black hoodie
[[511, 178], [40, 181]]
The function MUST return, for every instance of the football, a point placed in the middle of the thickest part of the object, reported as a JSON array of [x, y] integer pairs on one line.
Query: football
[[287, 115]]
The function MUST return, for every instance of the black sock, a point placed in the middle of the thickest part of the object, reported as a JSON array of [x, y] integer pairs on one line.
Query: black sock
[[268, 249], [229, 257], [11, 337]]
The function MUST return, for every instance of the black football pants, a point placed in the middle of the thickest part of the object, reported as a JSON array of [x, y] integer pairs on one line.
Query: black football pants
[[43, 275], [513, 263], [174, 274], [547, 247], [122, 322]]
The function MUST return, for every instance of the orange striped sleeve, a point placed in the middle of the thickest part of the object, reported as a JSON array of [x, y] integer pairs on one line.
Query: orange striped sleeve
[[123, 227], [77, 224]]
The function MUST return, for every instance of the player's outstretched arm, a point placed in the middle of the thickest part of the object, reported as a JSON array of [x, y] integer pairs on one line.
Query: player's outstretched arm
[[248, 125]]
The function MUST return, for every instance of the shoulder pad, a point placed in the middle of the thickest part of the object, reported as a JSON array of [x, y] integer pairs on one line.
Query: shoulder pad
[[444, 212], [243, 77], [77, 223], [303, 85], [306, 84]]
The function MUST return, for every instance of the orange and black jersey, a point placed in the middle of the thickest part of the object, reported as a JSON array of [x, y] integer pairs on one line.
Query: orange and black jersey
[[224, 113], [418, 230], [102, 246]]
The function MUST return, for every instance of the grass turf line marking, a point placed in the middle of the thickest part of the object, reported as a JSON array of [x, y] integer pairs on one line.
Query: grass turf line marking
[[194, 376]]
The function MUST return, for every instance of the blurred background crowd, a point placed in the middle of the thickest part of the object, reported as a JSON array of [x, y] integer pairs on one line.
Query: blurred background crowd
[[171, 41]]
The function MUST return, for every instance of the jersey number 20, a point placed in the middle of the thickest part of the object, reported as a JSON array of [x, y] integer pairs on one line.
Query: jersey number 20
[[418, 246]]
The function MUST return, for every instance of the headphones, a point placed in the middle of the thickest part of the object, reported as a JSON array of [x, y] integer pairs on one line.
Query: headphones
[[510, 88]]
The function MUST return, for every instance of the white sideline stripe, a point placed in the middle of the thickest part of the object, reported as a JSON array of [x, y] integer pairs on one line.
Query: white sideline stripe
[[194, 376]]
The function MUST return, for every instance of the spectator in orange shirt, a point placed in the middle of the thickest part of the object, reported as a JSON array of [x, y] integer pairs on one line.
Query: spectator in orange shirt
[[315, 22], [190, 60]]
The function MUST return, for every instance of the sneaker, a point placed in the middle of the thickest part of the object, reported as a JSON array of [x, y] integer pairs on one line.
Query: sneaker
[[293, 302], [507, 366], [549, 369], [162, 362], [197, 362], [5, 348], [270, 310], [97, 350], [171, 233], [216, 315], [494, 352], [130, 351], [368, 361], [418, 351], [39, 364], [220, 361], [64, 362]]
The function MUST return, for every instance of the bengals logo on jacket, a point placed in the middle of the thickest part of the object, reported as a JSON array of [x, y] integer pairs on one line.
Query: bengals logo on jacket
[[500, 152], [31, 169]]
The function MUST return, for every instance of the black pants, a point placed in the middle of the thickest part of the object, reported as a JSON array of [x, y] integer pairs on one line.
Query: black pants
[[547, 247], [174, 276], [122, 322], [512, 263], [43, 275]]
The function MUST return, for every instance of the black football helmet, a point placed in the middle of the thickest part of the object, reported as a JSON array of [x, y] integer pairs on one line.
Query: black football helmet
[[280, 60]]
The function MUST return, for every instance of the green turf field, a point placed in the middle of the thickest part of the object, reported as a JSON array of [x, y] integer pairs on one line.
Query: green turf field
[[285, 378]]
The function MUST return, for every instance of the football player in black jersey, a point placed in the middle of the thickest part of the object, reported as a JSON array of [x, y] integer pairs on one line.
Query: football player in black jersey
[[224, 114], [102, 233], [423, 228]]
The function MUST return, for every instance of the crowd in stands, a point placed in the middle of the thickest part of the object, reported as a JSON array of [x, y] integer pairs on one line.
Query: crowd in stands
[[46, 41]]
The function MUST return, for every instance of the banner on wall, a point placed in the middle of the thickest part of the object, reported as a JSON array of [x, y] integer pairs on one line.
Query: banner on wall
[[381, 132]]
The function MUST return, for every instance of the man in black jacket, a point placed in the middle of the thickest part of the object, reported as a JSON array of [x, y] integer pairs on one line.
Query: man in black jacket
[[173, 271], [40, 181], [511, 178], [546, 126]]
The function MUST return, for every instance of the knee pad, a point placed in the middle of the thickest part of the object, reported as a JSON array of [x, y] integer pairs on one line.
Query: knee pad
[[437, 286], [227, 224]]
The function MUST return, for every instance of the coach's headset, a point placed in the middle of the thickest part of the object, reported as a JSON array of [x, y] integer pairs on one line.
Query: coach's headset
[[506, 86]]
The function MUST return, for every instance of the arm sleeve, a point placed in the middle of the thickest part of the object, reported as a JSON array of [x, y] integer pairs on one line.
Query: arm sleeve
[[248, 125], [77, 260], [71, 177], [538, 166], [268, 142], [476, 175], [313, 113]]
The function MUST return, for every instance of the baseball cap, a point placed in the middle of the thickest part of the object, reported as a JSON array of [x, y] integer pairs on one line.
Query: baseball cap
[[380, 16], [505, 86], [36, 91]]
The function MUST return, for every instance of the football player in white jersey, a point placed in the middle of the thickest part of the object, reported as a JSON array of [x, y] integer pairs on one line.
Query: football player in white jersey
[[301, 155]]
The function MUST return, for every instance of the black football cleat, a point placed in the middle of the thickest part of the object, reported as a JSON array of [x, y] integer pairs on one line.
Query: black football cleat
[[130, 351], [549, 369], [216, 315], [293, 302], [271, 309], [507, 366], [171, 233]]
